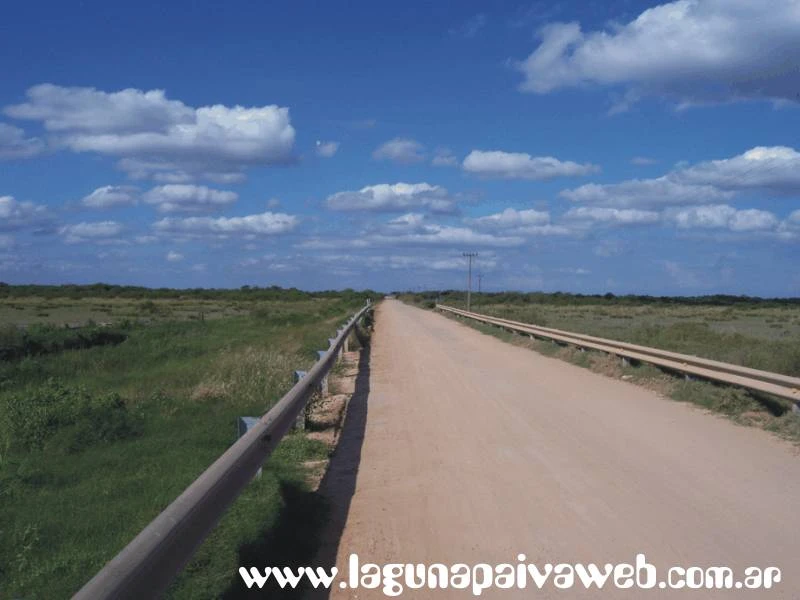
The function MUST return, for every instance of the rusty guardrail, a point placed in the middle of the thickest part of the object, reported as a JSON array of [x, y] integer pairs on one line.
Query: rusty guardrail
[[777, 384], [146, 566]]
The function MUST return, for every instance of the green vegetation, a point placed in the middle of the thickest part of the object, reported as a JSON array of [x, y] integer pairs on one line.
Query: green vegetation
[[95, 440], [733, 329]]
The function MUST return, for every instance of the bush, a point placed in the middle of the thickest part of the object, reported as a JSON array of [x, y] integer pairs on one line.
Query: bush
[[69, 417]]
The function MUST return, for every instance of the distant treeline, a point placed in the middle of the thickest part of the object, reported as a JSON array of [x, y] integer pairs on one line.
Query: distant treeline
[[563, 298], [104, 290]]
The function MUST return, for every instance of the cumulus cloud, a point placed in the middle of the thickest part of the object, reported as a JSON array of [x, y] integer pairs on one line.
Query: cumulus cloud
[[158, 136], [518, 165], [511, 218], [394, 197], [250, 226], [789, 228], [773, 169], [14, 144], [612, 216], [400, 150], [111, 196], [327, 149], [723, 216], [444, 235], [694, 51], [520, 223], [661, 191], [15, 215], [173, 256], [99, 232], [188, 198]]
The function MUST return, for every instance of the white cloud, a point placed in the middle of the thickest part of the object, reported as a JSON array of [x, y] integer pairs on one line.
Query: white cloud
[[154, 135], [643, 161], [110, 196], [410, 221], [400, 150], [520, 223], [436, 235], [16, 215], [612, 216], [511, 218], [694, 51], [264, 224], [789, 228], [394, 197], [14, 144], [775, 169], [436, 260], [661, 191], [722, 216], [518, 165], [173, 256], [443, 157], [6, 241], [327, 149], [188, 198], [100, 232]]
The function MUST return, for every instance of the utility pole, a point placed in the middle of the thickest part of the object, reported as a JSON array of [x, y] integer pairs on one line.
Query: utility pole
[[470, 256], [480, 278]]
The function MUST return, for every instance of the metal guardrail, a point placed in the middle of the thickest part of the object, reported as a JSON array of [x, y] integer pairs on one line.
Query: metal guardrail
[[146, 566], [777, 384]]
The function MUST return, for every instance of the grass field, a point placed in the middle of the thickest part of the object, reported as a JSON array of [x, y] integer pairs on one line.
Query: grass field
[[95, 442]]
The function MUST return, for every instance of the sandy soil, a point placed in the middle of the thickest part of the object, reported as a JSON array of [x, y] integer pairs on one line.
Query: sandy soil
[[458, 447]]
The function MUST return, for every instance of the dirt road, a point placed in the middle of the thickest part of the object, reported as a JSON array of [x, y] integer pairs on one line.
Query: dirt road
[[470, 450]]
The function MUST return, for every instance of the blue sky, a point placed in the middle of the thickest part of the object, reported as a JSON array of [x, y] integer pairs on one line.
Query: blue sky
[[594, 146]]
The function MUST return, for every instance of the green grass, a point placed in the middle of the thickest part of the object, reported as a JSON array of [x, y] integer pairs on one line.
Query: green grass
[[68, 507]]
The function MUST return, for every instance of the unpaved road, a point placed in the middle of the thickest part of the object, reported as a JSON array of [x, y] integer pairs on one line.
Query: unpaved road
[[475, 450]]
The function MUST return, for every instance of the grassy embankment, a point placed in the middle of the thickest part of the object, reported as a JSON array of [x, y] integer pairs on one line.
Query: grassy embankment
[[762, 334], [95, 442]]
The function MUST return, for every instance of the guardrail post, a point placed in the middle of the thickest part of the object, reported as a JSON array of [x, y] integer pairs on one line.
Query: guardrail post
[[331, 342], [300, 423], [243, 425], [323, 385]]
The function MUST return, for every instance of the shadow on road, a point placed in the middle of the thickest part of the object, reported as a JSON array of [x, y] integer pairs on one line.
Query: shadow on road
[[339, 483]]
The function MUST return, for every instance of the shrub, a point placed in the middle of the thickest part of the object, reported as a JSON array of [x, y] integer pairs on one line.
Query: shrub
[[69, 417]]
